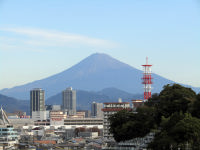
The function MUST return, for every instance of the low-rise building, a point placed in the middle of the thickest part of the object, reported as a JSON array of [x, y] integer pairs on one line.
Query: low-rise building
[[57, 117], [39, 115], [87, 113], [8, 136], [78, 115], [83, 122], [42, 122], [20, 122]]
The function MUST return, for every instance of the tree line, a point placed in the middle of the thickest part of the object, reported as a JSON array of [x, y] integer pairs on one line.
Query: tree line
[[173, 114]]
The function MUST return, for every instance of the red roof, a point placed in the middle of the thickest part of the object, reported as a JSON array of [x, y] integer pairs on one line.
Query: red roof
[[45, 141]]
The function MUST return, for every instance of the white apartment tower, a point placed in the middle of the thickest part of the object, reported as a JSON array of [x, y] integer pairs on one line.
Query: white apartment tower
[[69, 101]]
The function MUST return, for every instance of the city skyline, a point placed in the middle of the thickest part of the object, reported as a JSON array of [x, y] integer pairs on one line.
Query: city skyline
[[60, 34]]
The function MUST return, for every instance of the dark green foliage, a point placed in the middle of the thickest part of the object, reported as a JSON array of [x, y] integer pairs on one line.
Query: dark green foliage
[[119, 123], [179, 130], [176, 91], [175, 98], [172, 105], [172, 121], [126, 125], [154, 100], [174, 113], [186, 130], [195, 110], [162, 142]]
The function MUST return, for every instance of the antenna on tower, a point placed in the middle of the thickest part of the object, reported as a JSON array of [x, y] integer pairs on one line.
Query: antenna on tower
[[146, 60], [147, 80]]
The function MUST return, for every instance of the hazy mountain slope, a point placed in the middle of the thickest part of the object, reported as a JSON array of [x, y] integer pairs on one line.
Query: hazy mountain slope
[[84, 99], [10, 104], [115, 93], [94, 73]]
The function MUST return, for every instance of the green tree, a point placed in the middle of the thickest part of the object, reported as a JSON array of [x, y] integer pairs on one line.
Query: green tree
[[162, 142], [186, 130], [172, 120], [195, 110], [179, 131], [175, 98], [126, 125], [118, 124], [169, 113]]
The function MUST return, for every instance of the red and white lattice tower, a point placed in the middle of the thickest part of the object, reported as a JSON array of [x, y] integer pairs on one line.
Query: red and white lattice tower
[[147, 80]]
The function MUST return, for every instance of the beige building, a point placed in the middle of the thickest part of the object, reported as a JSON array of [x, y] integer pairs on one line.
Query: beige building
[[57, 117], [77, 115], [83, 122]]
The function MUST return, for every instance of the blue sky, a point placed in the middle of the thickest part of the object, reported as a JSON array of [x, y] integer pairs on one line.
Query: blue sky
[[42, 38]]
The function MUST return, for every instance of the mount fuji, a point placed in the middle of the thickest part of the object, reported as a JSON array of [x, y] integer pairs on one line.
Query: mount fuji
[[96, 72]]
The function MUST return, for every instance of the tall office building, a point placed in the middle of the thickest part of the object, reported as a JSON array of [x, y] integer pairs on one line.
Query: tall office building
[[69, 101], [37, 104], [96, 110]]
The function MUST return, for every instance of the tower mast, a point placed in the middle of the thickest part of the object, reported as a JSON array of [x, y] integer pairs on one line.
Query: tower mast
[[147, 80]]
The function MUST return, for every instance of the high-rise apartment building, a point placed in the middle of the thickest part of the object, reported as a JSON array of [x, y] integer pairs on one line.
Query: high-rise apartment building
[[96, 110], [110, 109], [37, 104], [69, 101]]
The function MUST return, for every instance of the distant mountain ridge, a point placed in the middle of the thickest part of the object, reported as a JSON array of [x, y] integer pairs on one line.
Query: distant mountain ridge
[[85, 98], [11, 105], [94, 73]]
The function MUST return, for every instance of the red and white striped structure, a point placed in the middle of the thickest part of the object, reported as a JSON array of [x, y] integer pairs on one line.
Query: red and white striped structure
[[147, 80]]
